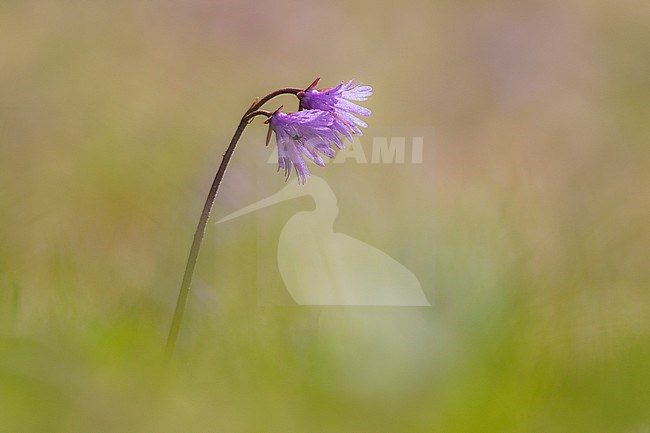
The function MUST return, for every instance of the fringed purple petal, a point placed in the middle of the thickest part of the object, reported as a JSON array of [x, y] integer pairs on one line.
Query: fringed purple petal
[[305, 134], [356, 92], [336, 101], [351, 107]]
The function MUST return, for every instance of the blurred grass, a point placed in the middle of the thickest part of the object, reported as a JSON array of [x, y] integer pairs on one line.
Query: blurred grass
[[529, 234]]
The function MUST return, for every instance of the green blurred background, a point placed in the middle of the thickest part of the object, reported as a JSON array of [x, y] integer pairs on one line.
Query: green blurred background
[[528, 226]]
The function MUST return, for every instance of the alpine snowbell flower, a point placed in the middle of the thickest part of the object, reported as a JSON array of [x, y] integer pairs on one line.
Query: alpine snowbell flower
[[303, 134], [324, 117], [336, 101]]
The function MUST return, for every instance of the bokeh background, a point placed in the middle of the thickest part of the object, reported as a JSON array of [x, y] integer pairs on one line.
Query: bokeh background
[[528, 226]]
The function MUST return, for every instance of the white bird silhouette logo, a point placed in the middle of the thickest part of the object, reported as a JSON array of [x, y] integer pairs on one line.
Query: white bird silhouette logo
[[321, 267]]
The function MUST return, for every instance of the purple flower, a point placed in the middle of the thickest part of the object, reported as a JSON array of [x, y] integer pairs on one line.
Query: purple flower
[[305, 133], [336, 101]]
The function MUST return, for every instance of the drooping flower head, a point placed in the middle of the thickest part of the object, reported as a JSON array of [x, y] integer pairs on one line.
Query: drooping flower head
[[336, 101], [303, 134]]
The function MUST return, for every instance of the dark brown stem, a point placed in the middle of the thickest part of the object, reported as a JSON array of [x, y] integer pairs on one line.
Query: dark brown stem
[[264, 100], [253, 111], [249, 117]]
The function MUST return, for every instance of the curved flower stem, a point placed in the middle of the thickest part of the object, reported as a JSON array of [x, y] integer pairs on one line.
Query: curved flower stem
[[249, 117], [267, 98], [253, 111]]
